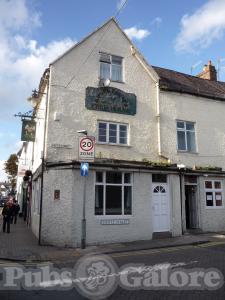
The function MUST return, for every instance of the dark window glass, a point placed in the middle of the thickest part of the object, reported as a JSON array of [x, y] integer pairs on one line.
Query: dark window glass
[[113, 177], [218, 199], [181, 140], [127, 178], [191, 141], [209, 199], [208, 184], [123, 134], [99, 177], [217, 185], [112, 133], [99, 200], [102, 132], [190, 126], [180, 125], [159, 178], [127, 200], [113, 200]]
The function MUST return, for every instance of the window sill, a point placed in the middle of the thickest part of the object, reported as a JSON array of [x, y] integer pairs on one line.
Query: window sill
[[111, 144], [214, 207], [114, 216], [187, 152], [111, 80]]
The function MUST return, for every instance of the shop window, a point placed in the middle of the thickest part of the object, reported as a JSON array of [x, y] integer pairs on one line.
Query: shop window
[[113, 193], [213, 192], [112, 133]]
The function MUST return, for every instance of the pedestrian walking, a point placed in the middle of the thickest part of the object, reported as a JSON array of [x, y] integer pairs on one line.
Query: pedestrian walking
[[16, 209], [7, 214]]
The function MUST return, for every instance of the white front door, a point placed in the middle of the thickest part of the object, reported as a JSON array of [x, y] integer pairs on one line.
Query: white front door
[[160, 207]]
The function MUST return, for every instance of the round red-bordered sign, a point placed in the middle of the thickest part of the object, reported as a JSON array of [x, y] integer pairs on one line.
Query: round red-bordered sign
[[85, 142]]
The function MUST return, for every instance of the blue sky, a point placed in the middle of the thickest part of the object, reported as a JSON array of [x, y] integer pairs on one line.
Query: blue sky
[[173, 34]]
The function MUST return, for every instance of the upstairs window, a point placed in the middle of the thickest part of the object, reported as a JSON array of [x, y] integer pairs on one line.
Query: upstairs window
[[110, 67], [186, 136], [112, 133]]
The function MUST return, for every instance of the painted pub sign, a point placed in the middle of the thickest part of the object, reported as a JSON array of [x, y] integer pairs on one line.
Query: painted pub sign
[[111, 100], [28, 131]]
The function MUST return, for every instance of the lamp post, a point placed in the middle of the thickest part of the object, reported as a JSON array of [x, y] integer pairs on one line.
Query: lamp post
[[83, 221]]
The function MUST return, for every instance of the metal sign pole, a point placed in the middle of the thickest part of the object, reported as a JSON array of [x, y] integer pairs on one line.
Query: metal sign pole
[[83, 222]]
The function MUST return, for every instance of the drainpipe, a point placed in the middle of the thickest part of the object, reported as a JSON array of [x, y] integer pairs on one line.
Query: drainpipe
[[158, 119], [181, 173], [43, 163]]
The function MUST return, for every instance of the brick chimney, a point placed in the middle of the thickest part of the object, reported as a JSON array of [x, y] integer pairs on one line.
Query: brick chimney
[[209, 72]]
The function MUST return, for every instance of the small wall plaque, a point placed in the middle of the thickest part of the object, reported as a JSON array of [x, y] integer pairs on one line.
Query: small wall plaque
[[56, 194]]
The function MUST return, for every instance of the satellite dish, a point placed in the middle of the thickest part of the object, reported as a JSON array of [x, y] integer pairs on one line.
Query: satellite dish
[[106, 82]]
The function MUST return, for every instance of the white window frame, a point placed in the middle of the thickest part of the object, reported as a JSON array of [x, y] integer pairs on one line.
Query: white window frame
[[123, 184], [185, 130], [110, 67], [117, 133], [213, 191]]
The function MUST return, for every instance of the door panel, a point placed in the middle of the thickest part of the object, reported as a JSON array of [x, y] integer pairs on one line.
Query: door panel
[[160, 208]]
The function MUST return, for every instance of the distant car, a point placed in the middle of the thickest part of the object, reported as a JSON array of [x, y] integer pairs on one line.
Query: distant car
[[3, 200]]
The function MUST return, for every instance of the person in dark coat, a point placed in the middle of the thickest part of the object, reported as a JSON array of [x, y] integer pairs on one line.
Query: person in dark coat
[[16, 209], [7, 214]]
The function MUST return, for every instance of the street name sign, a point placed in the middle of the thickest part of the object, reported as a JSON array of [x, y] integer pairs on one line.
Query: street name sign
[[87, 148]]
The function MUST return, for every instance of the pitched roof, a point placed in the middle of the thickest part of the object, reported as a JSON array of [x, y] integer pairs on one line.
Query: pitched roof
[[183, 83]]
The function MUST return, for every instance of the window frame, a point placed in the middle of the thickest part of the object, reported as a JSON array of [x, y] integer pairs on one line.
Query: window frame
[[122, 185], [213, 190], [110, 67], [185, 130], [107, 142]]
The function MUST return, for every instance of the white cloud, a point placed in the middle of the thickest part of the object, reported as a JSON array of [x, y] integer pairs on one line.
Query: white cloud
[[201, 28], [3, 176], [22, 59], [138, 34]]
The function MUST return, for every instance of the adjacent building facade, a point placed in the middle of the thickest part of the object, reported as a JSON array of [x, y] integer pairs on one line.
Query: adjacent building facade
[[159, 146]]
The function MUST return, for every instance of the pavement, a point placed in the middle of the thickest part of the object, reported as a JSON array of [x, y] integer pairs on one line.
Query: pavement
[[21, 245]]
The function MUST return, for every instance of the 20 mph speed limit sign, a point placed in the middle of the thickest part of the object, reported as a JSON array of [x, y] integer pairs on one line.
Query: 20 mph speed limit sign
[[86, 148]]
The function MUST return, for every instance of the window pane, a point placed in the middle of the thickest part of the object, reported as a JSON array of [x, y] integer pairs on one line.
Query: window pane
[[208, 184], [99, 199], [191, 141], [127, 177], [113, 177], [116, 60], [123, 134], [113, 200], [190, 126], [209, 198], [159, 178], [102, 132], [127, 200], [99, 177], [217, 185], [218, 199], [180, 125], [104, 70], [181, 140], [112, 133], [116, 73], [105, 57]]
